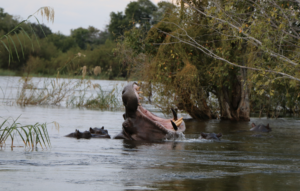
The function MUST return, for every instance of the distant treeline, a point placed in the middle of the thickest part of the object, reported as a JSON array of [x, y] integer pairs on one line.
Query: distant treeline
[[46, 53]]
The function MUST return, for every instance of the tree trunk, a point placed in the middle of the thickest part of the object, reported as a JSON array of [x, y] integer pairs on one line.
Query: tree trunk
[[196, 109], [234, 100]]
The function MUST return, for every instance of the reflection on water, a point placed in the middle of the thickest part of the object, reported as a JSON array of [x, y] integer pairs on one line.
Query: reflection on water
[[239, 161]]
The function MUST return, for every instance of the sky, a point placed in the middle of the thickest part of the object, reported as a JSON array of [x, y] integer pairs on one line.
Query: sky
[[69, 14]]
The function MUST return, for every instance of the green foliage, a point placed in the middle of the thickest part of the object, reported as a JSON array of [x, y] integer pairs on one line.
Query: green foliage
[[41, 30], [26, 50], [118, 24], [208, 48], [91, 36], [10, 44], [62, 42], [141, 14], [31, 135]]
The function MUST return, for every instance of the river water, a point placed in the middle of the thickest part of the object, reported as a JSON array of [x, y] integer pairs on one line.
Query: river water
[[240, 161]]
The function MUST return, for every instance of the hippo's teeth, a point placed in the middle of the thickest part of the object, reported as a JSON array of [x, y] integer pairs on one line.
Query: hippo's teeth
[[174, 125], [140, 98], [179, 121], [140, 92], [138, 88], [139, 104], [174, 114]]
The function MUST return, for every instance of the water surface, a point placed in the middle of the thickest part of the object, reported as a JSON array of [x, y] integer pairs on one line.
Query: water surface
[[240, 161]]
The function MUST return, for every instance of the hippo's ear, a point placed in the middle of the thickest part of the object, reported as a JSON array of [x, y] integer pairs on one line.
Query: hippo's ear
[[102, 127], [268, 126], [77, 133], [219, 135], [253, 125], [204, 135]]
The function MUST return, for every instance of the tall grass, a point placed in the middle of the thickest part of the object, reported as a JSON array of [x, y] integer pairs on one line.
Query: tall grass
[[76, 93], [31, 135], [45, 92], [102, 99], [10, 44]]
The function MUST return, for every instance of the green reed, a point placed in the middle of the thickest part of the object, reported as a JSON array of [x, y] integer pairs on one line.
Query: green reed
[[102, 99], [31, 135]]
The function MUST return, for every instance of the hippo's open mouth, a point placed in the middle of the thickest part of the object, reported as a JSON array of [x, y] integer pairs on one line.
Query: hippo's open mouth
[[141, 124], [168, 124]]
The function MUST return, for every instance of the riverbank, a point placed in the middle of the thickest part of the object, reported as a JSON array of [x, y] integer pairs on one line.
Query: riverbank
[[87, 77]]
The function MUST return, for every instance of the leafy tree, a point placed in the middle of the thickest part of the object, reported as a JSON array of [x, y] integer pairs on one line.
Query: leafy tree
[[163, 10], [41, 30], [141, 14], [62, 42], [7, 22], [226, 50], [80, 36], [118, 24], [103, 36], [90, 36]]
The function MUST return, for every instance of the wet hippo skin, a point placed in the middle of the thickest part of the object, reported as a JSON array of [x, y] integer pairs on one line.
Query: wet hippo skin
[[141, 124], [92, 133], [260, 128], [211, 136]]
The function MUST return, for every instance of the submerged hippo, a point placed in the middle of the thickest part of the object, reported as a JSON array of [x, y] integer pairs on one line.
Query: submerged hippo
[[77, 134], [99, 132], [260, 128], [92, 133], [211, 136], [141, 124]]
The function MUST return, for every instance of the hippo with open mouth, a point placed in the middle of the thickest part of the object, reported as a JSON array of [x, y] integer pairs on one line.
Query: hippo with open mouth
[[141, 124]]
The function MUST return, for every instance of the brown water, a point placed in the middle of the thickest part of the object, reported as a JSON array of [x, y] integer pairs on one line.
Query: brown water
[[239, 161]]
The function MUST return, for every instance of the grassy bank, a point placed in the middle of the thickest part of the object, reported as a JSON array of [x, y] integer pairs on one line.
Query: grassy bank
[[7, 73], [88, 77]]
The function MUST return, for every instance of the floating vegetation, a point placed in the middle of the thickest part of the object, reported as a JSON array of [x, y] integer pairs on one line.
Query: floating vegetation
[[102, 100], [51, 92], [31, 135], [76, 93]]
